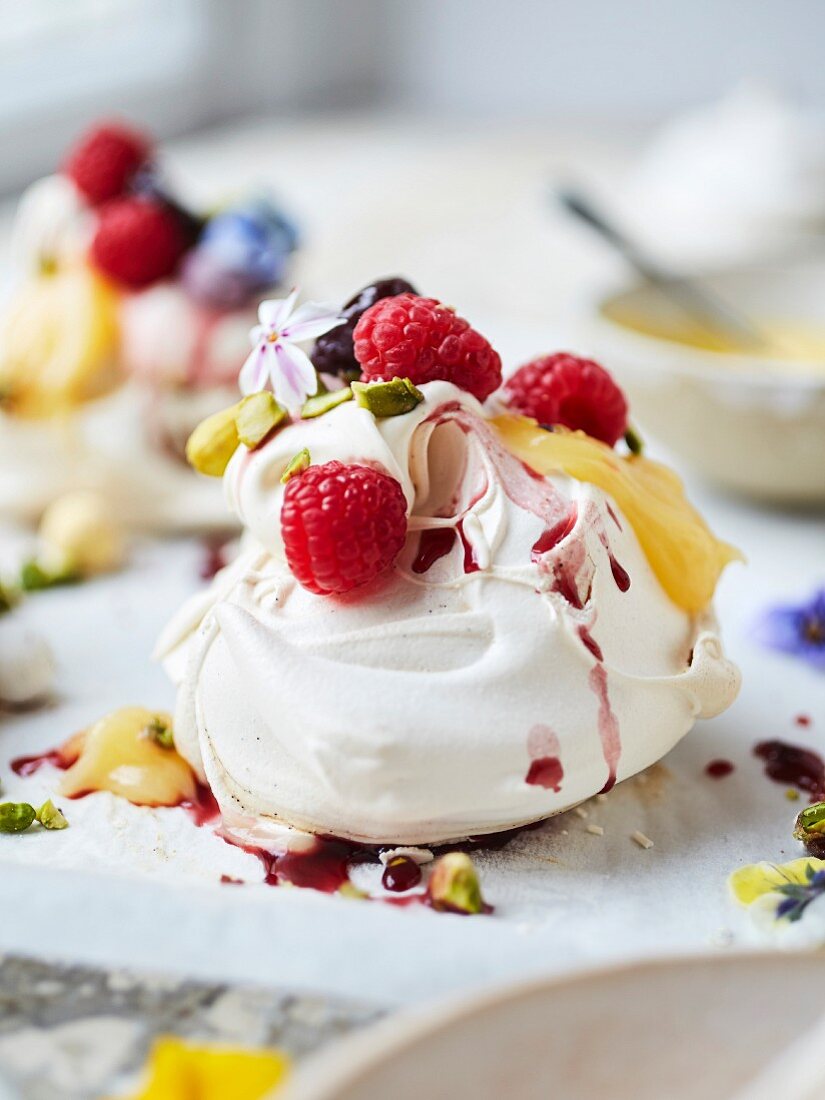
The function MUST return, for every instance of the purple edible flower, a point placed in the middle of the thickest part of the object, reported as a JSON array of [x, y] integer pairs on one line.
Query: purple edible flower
[[798, 630]]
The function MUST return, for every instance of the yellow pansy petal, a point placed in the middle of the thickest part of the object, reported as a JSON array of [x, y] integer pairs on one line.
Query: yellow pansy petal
[[751, 882], [183, 1071]]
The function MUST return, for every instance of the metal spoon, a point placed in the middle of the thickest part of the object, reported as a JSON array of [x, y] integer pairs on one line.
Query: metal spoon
[[701, 304]]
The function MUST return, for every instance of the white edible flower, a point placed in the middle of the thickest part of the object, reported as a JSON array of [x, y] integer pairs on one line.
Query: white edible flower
[[275, 356]]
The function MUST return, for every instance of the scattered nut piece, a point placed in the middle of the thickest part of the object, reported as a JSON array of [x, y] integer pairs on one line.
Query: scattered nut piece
[[213, 443], [454, 885], [580, 811], [388, 398], [16, 817], [642, 840], [323, 402], [810, 829], [257, 416], [50, 817], [596, 830], [296, 465]]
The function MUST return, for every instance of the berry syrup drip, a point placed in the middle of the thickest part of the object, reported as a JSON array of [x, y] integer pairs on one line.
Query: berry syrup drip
[[718, 769], [803, 720], [554, 535], [791, 764], [470, 563], [203, 808], [613, 515], [608, 725], [323, 867], [433, 545], [61, 758], [545, 772], [620, 574], [401, 874], [591, 643]]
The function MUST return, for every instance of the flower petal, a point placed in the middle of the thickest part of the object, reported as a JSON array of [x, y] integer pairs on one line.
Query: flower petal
[[751, 882], [310, 320], [274, 312], [294, 379], [255, 371]]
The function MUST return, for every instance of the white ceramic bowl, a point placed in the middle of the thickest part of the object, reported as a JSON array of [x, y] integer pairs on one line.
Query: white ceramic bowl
[[691, 1029], [751, 424]]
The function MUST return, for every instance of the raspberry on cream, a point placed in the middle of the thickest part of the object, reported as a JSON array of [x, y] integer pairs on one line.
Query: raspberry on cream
[[544, 632]]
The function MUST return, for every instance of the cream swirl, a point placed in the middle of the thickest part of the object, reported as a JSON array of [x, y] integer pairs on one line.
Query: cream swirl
[[502, 671]]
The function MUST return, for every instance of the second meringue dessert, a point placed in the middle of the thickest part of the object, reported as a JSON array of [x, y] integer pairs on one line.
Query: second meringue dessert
[[461, 607]]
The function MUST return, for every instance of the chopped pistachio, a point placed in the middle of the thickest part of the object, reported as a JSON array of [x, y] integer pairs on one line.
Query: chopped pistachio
[[214, 441], [388, 398], [36, 575], [6, 600], [810, 829], [296, 465], [258, 415], [323, 402], [454, 885], [50, 817], [635, 443], [16, 817], [160, 730]]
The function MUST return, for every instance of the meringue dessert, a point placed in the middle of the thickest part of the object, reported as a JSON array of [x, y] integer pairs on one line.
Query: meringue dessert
[[460, 607], [128, 325]]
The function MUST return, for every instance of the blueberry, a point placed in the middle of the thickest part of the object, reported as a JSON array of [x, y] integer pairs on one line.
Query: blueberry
[[333, 352]]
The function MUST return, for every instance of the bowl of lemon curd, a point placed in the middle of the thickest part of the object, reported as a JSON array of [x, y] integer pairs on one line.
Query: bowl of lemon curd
[[752, 423]]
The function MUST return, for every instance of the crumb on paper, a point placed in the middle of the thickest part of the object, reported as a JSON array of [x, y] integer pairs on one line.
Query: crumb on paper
[[642, 840], [601, 798], [580, 811], [596, 830]]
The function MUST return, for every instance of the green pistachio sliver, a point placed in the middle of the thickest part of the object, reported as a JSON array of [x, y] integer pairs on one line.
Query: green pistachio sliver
[[296, 465], [257, 416], [50, 817], [6, 600], [323, 402], [454, 885], [635, 443], [35, 575], [161, 732], [810, 820], [214, 441], [16, 817], [388, 398]]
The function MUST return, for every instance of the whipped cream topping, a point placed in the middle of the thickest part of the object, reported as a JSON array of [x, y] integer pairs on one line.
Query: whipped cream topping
[[504, 669]]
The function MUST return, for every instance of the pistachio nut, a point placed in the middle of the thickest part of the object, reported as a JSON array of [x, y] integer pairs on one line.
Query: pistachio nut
[[257, 416], [214, 441], [322, 402], [388, 398]]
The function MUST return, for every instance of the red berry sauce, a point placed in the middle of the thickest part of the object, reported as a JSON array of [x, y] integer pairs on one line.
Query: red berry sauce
[[547, 772], [57, 758], [433, 545], [794, 765], [718, 769]]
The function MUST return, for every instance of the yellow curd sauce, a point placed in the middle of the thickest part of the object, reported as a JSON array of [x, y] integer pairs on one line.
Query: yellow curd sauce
[[685, 555], [795, 341], [121, 754]]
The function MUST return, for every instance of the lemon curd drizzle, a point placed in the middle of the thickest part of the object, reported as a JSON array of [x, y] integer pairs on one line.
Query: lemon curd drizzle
[[120, 754], [685, 555]]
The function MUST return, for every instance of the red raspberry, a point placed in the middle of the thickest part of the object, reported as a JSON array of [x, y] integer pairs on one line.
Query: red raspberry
[[105, 159], [419, 339], [576, 393], [137, 241], [342, 525]]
